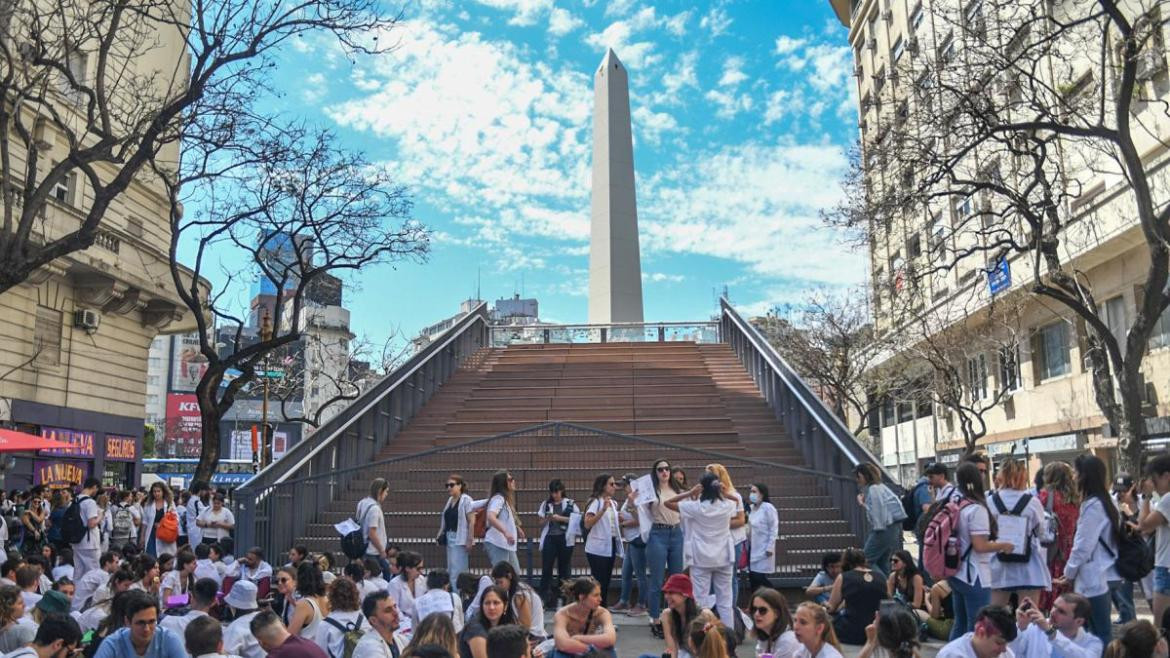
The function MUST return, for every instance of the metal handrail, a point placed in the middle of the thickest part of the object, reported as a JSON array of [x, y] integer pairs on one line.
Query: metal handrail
[[363, 428], [822, 438]]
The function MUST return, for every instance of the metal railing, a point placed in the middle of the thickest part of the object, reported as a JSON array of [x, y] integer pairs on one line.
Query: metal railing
[[647, 332], [825, 442], [350, 439]]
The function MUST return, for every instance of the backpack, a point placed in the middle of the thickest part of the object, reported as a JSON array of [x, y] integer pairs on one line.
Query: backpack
[[168, 528], [1134, 558], [351, 634], [479, 528], [912, 509], [940, 541], [1014, 516], [73, 527], [355, 543], [122, 524], [1050, 531]]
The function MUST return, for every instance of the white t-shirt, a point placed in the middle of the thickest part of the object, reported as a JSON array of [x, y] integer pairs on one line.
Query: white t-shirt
[[93, 536], [740, 534], [601, 535], [178, 623], [174, 581], [1162, 556], [503, 512], [785, 645], [209, 515], [974, 520], [371, 516], [827, 651], [238, 638], [709, 531], [330, 638]]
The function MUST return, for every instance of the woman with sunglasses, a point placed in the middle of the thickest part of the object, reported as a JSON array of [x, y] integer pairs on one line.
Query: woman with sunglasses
[[286, 587], [603, 546], [312, 603], [503, 528], [554, 515], [408, 585], [772, 624], [663, 537], [455, 524], [906, 584]]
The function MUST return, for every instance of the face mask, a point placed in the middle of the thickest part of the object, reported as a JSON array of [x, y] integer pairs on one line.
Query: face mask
[[755, 497]]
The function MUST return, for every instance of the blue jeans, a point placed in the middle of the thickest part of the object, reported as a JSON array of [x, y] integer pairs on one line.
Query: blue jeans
[[635, 561], [497, 555], [663, 555], [457, 557], [880, 545], [1121, 593], [1100, 621], [384, 564], [967, 600], [611, 652]]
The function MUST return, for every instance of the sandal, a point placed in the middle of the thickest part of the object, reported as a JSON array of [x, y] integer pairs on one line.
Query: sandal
[[656, 630]]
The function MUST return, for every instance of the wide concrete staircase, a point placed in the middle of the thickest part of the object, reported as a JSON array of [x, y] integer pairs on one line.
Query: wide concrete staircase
[[634, 403]]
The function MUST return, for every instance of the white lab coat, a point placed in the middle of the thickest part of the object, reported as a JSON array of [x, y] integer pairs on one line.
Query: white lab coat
[[765, 527]]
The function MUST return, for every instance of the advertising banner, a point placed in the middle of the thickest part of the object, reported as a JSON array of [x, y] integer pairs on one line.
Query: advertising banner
[[188, 363], [82, 442], [121, 448], [241, 444], [57, 474], [184, 426]]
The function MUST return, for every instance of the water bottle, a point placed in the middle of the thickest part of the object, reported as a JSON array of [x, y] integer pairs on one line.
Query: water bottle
[[951, 554]]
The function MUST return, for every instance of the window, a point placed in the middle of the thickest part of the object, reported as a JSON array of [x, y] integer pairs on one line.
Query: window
[[888, 412], [905, 411], [1009, 367], [946, 51], [47, 336], [64, 189], [1051, 347], [914, 247], [879, 80], [916, 18], [1160, 336], [937, 239], [1112, 312], [973, 18], [977, 377], [898, 49]]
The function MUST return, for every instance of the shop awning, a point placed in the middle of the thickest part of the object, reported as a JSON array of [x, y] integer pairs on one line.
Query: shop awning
[[13, 441]]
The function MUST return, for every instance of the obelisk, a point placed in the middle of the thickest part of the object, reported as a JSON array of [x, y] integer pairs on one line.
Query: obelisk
[[615, 268]]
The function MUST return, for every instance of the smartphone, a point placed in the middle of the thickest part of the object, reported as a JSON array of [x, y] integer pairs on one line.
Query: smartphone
[[887, 607], [1026, 605]]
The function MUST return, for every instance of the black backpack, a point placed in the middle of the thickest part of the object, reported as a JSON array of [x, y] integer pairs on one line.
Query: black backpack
[[355, 542], [1134, 558], [913, 511], [1018, 510], [73, 527]]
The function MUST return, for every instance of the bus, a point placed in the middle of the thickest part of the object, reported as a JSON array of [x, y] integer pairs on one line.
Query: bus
[[177, 472]]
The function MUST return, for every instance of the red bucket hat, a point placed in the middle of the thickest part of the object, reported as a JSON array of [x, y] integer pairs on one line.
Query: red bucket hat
[[679, 583]]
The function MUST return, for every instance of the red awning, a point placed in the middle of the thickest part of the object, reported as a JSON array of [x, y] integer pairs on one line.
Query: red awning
[[13, 441]]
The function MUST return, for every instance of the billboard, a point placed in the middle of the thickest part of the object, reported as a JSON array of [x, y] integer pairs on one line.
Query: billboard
[[241, 444], [81, 442], [183, 433], [187, 363], [57, 474]]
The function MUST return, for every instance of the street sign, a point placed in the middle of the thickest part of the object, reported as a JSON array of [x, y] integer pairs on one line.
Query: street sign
[[999, 276], [271, 374]]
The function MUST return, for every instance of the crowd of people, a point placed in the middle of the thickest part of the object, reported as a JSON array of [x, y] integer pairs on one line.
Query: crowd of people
[[1013, 566]]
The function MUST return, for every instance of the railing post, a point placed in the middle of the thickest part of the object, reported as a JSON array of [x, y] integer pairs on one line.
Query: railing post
[[604, 333]]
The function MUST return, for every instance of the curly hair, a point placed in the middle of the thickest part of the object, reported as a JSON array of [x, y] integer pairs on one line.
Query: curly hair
[[344, 596], [9, 595]]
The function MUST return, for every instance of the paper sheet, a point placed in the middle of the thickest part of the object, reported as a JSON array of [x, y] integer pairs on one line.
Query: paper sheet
[[425, 605], [1013, 529], [574, 529], [646, 490], [347, 526]]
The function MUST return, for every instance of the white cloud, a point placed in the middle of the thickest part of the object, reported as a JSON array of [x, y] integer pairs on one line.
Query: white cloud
[[315, 88], [786, 45], [732, 72], [619, 7], [715, 21], [525, 12], [681, 77], [728, 103], [677, 24], [562, 21], [730, 204], [652, 125], [661, 277], [620, 36], [777, 106]]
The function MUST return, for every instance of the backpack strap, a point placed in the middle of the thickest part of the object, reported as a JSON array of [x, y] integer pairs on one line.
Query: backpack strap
[[998, 503], [1018, 510], [1101, 541], [393, 647], [1049, 501]]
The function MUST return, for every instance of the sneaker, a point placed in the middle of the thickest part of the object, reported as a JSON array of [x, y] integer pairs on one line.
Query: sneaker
[[636, 611], [621, 605]]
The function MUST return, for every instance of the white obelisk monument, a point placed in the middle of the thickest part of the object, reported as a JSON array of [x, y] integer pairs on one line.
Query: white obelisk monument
[[615, 268]]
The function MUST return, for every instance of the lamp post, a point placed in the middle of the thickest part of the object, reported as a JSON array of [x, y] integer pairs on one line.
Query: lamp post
[[265, 336]]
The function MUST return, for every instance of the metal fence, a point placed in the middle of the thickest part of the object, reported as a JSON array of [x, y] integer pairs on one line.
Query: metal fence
[[649, 332], [825, 442], [350, 439]]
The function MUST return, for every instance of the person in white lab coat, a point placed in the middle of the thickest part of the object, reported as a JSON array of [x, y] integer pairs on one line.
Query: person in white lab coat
[[764, 523], [707, 514]]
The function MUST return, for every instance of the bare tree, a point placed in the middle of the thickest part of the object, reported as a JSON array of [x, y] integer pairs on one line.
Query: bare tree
[[830, 341], [294, 207], [1023, 134], [100, 90]]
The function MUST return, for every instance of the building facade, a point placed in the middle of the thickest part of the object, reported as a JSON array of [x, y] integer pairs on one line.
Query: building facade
[[1037, 386]]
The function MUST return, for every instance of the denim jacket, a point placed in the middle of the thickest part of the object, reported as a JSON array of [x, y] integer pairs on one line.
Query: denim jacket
[[882, 507]]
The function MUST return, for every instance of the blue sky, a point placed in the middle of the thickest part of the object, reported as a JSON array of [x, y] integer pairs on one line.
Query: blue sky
[[743, 114]]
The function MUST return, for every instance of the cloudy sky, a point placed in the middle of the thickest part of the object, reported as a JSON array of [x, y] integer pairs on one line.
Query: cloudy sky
[[743, 112]]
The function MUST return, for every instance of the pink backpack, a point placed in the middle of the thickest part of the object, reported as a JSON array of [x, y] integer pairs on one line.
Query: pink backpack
[[940, 542]]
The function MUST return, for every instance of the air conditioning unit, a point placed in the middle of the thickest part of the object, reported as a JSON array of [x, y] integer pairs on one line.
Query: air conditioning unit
[[871, 43], [87, 319], [888, 15], [912, 46], [858, 71]]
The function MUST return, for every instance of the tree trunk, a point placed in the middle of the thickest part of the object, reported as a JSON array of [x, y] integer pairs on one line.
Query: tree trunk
[[211, 415], [1131, 425]]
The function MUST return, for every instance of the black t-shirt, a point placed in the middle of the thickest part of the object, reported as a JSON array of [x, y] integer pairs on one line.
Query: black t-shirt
[[471, 630], [451, 519]]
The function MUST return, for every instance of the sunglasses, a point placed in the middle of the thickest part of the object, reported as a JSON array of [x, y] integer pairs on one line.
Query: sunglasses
[[284, 580], [663, 469], [761, 610], [895, 561], [452, 484]]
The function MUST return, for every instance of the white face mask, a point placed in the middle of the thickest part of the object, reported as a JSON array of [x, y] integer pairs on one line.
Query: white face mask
[[754, 497]]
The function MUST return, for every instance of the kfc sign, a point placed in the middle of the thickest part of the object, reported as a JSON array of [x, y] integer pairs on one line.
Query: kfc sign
[[183, 433]]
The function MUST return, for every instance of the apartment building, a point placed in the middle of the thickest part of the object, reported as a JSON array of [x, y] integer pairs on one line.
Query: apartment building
[[76, 335], [1045, 406]]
